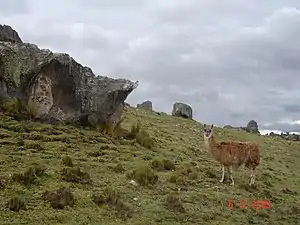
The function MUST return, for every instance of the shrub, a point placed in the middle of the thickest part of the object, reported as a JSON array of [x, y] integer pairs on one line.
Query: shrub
[[140, 135], [34, 145], [144, 139], [105, 128], [59, 198], [12, 106], [173, 202], [144, 175], [118, 168], [20, 141], [161, 165], [75, 175], [113, 199], [119, 131], [16, 204], [29, 176], [3, 182], [135, 129], [67, 161], [115, 129], [183, 175]]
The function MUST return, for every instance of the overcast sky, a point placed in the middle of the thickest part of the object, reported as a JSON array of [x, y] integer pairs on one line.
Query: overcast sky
[[231, 60]]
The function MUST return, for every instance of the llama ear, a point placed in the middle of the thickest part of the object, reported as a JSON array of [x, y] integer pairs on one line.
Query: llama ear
[[212, 126], [204, 125]]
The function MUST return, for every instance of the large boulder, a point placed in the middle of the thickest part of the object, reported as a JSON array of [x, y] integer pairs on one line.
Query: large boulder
[[182, 110], [252, 127], [60, 88], [147, 105]]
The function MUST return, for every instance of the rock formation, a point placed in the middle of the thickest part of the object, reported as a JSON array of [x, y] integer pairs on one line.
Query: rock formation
[[60, 88], [9, 34], [182, 110], [286, 136], [145, 105], [252, 127]]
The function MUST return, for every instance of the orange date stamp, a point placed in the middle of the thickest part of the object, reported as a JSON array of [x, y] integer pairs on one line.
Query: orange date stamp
[[255, 204]]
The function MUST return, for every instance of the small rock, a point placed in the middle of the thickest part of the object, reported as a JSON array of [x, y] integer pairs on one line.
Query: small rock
[[134, 183]]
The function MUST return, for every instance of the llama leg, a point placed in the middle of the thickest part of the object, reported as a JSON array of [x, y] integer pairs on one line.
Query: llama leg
[[252, 177], [223, 174], [231, 177]]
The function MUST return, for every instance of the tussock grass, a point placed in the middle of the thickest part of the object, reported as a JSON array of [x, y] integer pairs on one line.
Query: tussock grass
[[67, 161], [162, 164], [75, 175], [173, 202], [30, 175], [60, 198], [16, 204], [113, 199], [144, 175]]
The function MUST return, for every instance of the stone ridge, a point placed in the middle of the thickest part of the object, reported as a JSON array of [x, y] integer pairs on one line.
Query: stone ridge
[[8, 34]]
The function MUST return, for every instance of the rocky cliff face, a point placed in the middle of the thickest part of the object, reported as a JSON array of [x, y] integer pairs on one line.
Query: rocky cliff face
[[61, 88], [9, 34]]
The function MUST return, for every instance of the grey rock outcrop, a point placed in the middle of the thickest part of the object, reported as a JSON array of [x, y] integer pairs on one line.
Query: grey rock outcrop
[[286, 136], [7, 33], [182, 110], [252, 127], [147, 105], [60, 88]]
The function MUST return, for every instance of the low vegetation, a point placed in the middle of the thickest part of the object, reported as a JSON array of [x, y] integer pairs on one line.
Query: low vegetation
[[29, 176], [143, 175], [173, 202], [147, 169], [59, 198], [111, 198]]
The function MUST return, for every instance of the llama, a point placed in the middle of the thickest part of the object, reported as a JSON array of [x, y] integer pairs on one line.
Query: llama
[[232, 154]]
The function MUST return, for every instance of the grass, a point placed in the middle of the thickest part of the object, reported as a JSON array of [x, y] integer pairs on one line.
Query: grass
[[55, 174]]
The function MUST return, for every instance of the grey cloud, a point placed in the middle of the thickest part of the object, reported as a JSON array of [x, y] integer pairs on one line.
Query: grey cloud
[[13, 7], [232, 61]]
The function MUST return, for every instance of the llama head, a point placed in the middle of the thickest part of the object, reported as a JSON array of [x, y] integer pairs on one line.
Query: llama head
[[208, 130]]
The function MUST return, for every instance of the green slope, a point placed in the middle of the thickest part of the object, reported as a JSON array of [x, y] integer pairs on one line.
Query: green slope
[[109, 161]]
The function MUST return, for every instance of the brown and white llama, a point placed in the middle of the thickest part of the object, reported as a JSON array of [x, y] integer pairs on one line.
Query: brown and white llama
[[232, 154]]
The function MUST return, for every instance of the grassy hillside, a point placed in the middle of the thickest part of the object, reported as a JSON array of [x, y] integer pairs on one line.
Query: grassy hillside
[[178, 177]]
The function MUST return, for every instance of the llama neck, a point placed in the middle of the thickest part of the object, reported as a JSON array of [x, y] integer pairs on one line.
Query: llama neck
[[211, 145], [210, 142]]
